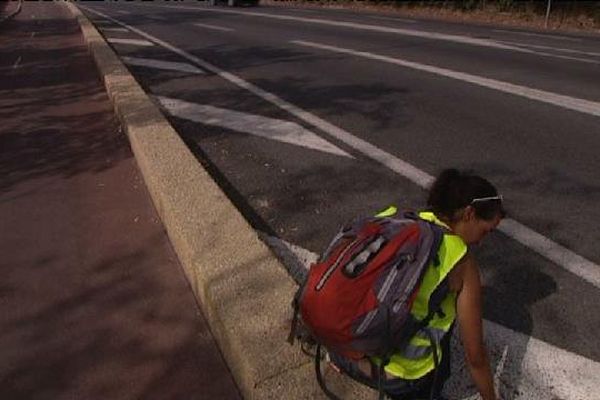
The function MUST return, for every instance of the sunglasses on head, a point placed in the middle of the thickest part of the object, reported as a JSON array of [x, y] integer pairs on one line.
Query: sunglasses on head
[[489, 198]]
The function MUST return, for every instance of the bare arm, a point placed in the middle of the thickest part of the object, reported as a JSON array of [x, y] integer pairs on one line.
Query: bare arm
[[471, 328]]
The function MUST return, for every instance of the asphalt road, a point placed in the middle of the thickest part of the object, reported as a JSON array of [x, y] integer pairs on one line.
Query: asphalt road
[[519, 107]]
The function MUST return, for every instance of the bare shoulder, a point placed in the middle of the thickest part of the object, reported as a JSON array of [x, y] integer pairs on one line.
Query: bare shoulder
[[456, 277]]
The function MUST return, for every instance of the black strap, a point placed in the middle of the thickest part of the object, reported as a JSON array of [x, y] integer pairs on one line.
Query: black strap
[[436, 362], [381, 377], [296, 309], [293, 327], [324, 388]]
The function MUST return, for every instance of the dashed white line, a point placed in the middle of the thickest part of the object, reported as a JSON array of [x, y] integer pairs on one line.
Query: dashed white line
[[586, 270], [269, 128], [542, 35], [133, 42], [213, 27], [123, 30], [568, 102], [164, 65]]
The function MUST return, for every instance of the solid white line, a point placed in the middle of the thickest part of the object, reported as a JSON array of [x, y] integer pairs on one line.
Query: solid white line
[[134, 42], [408, 21], [556, 253], [525, 364], [160, 64], [537, 46], [568, 102], [587, 270], [16, 64], [214, 27], [115, 30], [270, 128], [542, 35]]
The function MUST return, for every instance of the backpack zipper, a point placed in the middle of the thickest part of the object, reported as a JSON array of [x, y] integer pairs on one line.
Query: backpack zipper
[[333, 267]]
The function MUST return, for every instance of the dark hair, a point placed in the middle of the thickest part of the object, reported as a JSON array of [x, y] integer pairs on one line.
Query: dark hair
[[454, 189]]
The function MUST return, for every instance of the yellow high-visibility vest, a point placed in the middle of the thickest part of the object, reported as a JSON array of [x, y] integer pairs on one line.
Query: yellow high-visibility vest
[[416, 360]]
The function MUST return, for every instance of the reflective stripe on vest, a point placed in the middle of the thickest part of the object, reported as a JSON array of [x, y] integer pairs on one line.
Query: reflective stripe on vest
[[416, 360]]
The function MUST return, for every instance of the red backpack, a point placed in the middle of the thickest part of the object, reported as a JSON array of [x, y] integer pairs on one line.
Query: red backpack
[[357, 298]]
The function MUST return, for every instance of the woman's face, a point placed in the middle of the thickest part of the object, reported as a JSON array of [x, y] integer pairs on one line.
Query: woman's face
[[473, 229]]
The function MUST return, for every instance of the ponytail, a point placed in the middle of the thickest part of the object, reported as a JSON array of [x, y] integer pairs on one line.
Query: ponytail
[[454, 190]]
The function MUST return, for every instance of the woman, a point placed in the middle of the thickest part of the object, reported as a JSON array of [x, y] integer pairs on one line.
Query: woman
[[468, 207]]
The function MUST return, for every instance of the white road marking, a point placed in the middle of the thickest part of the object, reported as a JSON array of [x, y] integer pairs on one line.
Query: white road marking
[[123, 12], [408, 21], [385, 29], [355, 25], [214, 27], [134, 42], [160, 64], [568, 102], [561, 49], [554, 252], [270, 128], [32, 34], [586, 270], [123, 30], [415, 33], [542, 35], [16, 64], [500, 367], [525, 367]]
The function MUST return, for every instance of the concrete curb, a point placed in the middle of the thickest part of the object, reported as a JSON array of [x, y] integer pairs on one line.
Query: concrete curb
[[243, 288], [12, 13]]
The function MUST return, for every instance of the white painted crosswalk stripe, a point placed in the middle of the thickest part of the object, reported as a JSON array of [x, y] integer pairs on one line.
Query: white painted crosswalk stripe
[[524, 366], [213, 27], [133, 42], [270, 128], [164, 65]]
